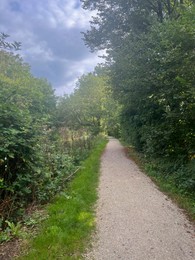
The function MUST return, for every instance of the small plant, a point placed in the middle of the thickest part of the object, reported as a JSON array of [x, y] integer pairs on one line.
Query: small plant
[[4, 237], [36, 218], [13, 229], [30, 222]]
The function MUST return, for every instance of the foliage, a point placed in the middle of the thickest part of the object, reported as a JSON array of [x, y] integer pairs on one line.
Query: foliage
[[12, 231], [91, 106], [71, 215], [150, 46], [32, 163], [158, 89], [117, 19], [37, 153]]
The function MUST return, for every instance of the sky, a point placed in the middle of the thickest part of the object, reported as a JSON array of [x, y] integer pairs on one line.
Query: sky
[[50, 33]]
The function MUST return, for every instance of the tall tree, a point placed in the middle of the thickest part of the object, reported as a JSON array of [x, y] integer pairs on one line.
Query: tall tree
[[116, 19], [154, 82]]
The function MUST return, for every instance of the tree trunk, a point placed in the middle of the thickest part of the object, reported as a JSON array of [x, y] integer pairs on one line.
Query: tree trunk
[[160, 11], [169, 7]]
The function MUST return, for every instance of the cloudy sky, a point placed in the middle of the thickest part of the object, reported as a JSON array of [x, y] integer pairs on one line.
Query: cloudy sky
[[49, 31]]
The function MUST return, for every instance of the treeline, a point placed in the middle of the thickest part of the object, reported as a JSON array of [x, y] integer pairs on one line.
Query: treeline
[[150, 49]]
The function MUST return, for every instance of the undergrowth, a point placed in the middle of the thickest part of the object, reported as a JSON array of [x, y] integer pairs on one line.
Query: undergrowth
[[71, 215]]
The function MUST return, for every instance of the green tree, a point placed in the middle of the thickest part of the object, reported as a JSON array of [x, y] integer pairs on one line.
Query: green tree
[[91, 106], [154, 82], [150, 47], [116, 19]]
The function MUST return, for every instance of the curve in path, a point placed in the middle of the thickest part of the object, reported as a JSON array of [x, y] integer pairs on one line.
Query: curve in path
[[135, 221]]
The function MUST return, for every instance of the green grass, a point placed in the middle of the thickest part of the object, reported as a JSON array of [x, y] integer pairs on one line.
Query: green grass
[[166, 183], [66, 232]]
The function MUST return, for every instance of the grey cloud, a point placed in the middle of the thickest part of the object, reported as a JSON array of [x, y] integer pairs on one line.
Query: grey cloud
[[51, 39], [62, 42]]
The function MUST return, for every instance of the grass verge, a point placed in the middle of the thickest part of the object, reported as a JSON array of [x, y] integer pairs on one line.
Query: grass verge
[[65, 233], [166, 183]]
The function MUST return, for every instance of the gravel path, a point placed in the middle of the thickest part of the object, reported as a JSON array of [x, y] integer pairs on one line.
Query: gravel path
[[135, 221]]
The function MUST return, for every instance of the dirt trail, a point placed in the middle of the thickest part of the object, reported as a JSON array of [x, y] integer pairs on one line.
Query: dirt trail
[[135, 221]]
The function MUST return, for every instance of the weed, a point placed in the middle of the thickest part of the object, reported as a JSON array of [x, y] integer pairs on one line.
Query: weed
[[14, 229]]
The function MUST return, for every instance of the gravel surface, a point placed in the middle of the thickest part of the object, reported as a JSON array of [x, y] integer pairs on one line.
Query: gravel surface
[[135, 221]]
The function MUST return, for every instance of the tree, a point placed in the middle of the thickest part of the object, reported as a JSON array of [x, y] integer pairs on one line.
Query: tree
[[150, 46], [91, 106], [84, 106], [116, 19], [153, 80]]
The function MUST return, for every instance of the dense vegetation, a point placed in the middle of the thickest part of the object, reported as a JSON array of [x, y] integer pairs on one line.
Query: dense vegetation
[[91, 106], [150, 49], [30, 163], [42, 141], [71, 217], [145, 94]]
